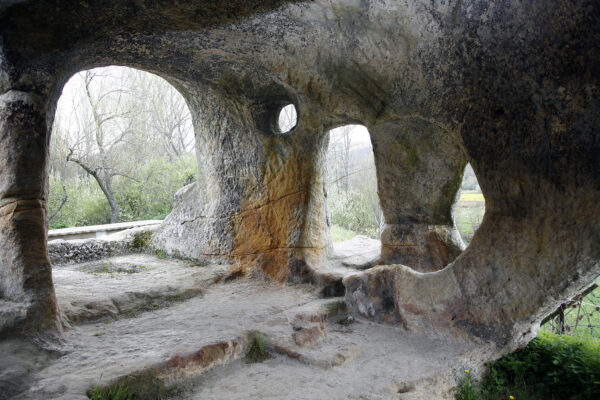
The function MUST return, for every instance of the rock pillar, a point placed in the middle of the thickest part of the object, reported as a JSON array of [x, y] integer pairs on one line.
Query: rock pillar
[[256, 189], [419, 170], [25, 270]]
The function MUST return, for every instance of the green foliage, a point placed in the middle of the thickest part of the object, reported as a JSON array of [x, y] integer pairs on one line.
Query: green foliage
[[340, 234], [352, 184], [257, 350], [559, 366], [466, 390], [149, 198], [119, 392], [86, 204], [141, 240], [152, 197], [352, 212], [550, 367], [143, 386], [161, 254]]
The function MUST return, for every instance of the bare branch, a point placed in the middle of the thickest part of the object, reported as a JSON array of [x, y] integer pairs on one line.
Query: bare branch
[[62, 204]]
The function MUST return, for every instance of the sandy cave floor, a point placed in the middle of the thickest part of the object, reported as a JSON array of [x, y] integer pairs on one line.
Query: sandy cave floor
[[135, 312]]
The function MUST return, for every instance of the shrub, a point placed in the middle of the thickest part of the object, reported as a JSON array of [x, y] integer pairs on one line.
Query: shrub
[[353, 212], [161, 254], [554, 366], [150, 197], [257, 349], [143, 386], [141, 240], [549, 367]]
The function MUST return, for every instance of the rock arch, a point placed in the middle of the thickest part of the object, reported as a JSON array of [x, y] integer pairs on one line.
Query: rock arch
[[510, 87]]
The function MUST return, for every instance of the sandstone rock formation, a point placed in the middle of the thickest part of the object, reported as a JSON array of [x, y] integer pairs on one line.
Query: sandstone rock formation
[[509, 86]]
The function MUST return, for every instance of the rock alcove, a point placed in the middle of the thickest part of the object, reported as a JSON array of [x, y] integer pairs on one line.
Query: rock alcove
[[509, 87]]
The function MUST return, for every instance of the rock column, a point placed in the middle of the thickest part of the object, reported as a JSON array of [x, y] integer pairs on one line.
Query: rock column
[[25, 270], [419, 170], [256, 191]]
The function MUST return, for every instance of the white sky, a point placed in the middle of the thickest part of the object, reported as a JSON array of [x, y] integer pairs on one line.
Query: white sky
[[360, 135], [74, 87], [73, 93]]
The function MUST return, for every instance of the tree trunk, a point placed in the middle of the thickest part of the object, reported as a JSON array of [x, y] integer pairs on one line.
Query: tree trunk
[[105, 186], [114, 207]]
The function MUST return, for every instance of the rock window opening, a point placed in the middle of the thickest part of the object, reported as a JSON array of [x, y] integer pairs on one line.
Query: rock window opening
[[351, 184], [287, 119], [122, 144], [469, 207]]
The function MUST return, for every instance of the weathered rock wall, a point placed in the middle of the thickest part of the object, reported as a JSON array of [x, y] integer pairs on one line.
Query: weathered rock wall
[[255, 187], [510, 87], [414, 153]]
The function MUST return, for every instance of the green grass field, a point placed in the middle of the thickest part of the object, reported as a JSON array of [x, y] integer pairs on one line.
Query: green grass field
[[468, 219], [471, 195], [468, 215], [340, 234], [582, 319]]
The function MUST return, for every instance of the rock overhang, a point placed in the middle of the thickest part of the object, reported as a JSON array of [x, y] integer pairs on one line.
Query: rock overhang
[[511, 88]]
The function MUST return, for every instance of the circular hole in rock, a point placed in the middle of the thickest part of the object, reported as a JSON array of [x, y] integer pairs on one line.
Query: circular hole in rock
[[287, 119]]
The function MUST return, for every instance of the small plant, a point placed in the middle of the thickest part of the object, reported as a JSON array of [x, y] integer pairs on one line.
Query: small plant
[[466, 390], [144, 386], [257, 350], [161, 254], [141, 240], [105, 268], [114, 392]]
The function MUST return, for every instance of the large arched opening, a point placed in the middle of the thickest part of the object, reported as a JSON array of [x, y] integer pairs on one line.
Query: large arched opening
[[354, 215], [352, 184], [122, 144]]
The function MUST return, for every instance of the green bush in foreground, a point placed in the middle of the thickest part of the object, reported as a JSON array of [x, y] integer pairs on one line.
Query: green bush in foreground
[[119, 392], [144, 386], [141, 240], [257, 348], [550, 367]]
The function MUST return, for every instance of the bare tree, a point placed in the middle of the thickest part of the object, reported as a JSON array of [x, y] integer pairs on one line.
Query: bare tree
[[61, 205], [104, 124], [113, 122], [366, 184], [351, 169], [167, 118], [340, 143]]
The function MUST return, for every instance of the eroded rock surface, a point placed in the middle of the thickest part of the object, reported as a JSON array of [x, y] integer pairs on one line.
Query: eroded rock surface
[[128, 285], [360, 252], [511, 87], [192, 346]]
